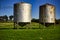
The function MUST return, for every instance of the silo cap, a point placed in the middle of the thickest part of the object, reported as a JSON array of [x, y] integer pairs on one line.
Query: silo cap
[[47, 4], [22, 3]]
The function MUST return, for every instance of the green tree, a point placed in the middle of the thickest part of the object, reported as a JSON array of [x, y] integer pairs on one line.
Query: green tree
[[11, 17], [5, 18]]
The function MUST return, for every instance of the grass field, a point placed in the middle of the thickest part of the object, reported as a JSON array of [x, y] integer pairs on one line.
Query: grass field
[[43, 33]]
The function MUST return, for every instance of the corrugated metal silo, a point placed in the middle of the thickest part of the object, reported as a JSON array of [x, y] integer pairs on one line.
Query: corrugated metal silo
[[47, 13], [22, 12]]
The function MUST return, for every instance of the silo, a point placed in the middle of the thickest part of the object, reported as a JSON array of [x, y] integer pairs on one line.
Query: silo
[[22, 13], [47, 13]]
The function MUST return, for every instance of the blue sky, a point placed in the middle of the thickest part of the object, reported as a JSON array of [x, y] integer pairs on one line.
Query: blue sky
[[6, 6]]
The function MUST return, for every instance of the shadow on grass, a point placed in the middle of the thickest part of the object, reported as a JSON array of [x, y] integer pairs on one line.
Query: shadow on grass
[[17, 28], [5, 28]]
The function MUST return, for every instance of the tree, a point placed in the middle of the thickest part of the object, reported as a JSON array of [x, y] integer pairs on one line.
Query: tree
[[5, 18], [35, 20], [11, 17], [57, 21]]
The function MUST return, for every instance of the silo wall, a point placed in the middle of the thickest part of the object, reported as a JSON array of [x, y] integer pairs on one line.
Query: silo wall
[[22, 12]]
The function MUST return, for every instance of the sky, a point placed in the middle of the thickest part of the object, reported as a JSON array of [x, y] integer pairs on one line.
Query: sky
[[7, 6]]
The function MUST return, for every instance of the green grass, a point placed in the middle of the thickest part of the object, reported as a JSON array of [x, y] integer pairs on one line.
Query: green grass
[[30, 34], [47, 33], [6, 25]]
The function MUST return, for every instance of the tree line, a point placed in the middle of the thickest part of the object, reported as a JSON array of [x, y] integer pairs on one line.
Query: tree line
[[6, 18], [11, 18], [57, 21]]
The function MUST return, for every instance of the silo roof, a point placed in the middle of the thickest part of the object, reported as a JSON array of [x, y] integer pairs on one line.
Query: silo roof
[[47, 4], [22, 3]]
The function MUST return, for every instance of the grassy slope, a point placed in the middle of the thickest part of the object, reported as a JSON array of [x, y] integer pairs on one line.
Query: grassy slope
[[49, 33]]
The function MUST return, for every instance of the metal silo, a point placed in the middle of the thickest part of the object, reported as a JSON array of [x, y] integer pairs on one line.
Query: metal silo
[[47, 13], [22, 13]]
